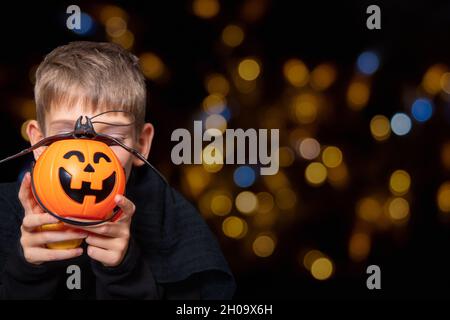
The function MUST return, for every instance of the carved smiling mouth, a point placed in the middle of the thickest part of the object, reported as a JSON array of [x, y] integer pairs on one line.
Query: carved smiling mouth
[[78, 194]]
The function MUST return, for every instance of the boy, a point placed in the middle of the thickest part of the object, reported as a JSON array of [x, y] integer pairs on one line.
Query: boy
[[157, 249]]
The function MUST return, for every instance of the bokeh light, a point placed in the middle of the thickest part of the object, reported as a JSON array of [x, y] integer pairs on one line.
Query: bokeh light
[[315, 173], [358, 94], [234, 227], [380, 128], [332, 157], [398, 209], [217, 84], [323, 76], [443, 197], [151, 65], [369, 209], [422, 109], [126, 40], [296, 72], [115, 27], [399, 182], [276, 181], [309, 148], [400, 124], [285, 156], [253, 10], [305, 107], [310, 257], [244, 176], [221, 205], [86, 25], [263, 246], [216, 121], [445, 82], [338, 176], [368, 62], [214, 103], [23, 130], [265, 202], [322, 268], [212, 159], [196, 179], [205, 9], [25, 108], [243, 85], [249, 69], [431, 81], [246, 202], [204, 202], [111, 11], [232, 35], [297, 135], [359, 246]]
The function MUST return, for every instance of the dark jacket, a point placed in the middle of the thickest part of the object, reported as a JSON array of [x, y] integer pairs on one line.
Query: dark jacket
[[172, 253]]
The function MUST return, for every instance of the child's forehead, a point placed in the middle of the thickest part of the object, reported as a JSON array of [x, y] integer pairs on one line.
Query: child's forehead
[[114, 122], [68, 116]]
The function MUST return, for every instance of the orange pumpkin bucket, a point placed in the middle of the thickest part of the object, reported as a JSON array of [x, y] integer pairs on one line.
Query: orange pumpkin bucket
[[77, 180]]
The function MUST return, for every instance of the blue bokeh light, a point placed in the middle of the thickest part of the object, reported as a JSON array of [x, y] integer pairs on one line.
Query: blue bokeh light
[[368, 62], [400, 124], [87, 25], [422, 109], [226, 113], [244, 176]]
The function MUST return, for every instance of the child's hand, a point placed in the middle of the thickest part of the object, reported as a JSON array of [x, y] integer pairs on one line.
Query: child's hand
[[108, 242], [33, 242]]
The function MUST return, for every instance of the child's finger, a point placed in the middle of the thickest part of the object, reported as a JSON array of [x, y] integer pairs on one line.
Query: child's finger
[[39, 255], [101, 242], [37, 209], [25, 192], [128, 208], [32, 221], [108, 258], [44, 237], [109, 229]]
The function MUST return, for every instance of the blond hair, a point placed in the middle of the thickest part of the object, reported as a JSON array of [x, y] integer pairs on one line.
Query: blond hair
[[100, 76]]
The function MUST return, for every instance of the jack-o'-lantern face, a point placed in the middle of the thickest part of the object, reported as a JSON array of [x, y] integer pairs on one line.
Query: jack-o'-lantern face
[[87, 177], [78, 178]]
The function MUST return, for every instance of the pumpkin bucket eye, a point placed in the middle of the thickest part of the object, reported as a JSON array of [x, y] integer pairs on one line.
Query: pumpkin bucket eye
[[99, 155], [75, 153]]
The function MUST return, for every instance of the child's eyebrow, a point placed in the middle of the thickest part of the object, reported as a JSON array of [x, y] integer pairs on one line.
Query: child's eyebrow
[[113, 129], [62, 124], [68, 125]]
